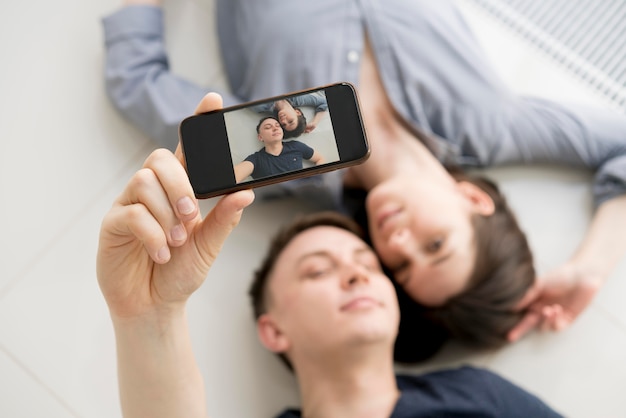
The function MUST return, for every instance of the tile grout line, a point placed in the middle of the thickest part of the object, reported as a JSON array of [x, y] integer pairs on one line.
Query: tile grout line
[[6, 289], [37, 380]]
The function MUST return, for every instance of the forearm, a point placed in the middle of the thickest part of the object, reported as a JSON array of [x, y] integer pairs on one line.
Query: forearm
[[604, 244], [318, 117], [157, 371], [138, 79]]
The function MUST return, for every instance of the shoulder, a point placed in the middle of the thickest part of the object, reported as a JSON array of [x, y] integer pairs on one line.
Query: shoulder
[[474, 391], [296, 145], [449, 377], [256, 155]]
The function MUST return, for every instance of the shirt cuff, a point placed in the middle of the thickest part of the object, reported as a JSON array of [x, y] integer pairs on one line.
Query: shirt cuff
[[130, 21]]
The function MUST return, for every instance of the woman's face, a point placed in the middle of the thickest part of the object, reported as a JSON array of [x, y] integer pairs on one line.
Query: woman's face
[[288, 117], [423, 232]]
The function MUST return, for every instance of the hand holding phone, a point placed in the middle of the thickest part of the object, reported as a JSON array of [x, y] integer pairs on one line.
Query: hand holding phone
[[265, 142]]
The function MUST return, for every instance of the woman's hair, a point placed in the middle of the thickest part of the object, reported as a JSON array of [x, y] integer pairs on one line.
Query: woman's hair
[[299, 129], [503, 271]]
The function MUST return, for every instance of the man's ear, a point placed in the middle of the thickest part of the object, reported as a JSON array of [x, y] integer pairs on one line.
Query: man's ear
[[270, 334], [480, 200]]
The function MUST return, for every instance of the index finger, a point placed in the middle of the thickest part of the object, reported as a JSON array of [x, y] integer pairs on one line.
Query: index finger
[[169, 180], [211, 101], [531, 295], [530, 320]]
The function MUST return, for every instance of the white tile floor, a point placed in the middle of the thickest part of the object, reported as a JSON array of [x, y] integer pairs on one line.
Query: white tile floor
[[66, 156]]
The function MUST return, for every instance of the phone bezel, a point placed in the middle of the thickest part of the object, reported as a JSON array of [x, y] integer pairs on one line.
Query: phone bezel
[[350, 137]]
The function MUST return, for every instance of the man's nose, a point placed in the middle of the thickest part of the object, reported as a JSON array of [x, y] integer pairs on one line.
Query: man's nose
[[354, 275]]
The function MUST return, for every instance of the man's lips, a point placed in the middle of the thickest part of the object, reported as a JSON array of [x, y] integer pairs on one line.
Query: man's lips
[[361, 302]]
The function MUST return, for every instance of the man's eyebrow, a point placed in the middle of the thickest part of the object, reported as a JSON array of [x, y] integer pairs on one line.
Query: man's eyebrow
[[329, 254], [319, 253]]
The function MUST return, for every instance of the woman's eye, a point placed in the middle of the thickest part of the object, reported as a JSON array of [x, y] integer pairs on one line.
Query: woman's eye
[[435, 245]]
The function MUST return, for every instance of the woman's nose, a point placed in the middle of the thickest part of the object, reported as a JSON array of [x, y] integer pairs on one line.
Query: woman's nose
[[400, 239]]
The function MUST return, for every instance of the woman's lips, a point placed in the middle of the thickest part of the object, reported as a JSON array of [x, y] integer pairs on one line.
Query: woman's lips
[[386, 217]]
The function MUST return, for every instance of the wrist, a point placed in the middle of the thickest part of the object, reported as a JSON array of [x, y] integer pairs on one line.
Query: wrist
[[587, 268], [157, 320]]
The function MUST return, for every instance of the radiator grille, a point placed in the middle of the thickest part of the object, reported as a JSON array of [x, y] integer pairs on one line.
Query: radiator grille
[[587, 37]]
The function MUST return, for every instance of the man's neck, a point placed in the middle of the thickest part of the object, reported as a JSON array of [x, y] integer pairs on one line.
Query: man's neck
[[352, 385], [274, 148]]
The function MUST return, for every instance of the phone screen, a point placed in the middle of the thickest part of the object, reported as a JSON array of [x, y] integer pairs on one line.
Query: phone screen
[[273, 140]]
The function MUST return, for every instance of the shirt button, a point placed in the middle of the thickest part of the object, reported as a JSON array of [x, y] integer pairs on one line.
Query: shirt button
[[353, 57]]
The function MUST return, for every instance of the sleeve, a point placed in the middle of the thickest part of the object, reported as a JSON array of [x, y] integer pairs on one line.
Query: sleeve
[[511, 400], [264, 108], [592, 138], [137, 76], [251, 158], [307, 152], [315, 99]]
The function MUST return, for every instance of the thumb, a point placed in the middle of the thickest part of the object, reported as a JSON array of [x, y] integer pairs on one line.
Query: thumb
[[211, 101], [220, 222]]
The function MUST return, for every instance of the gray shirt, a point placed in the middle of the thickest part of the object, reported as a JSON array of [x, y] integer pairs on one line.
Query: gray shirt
[[431, 65]]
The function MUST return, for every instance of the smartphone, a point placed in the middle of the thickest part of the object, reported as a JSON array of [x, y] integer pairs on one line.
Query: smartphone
[[273, 140]]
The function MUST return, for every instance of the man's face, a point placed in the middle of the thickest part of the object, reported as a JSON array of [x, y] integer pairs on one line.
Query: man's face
[[270, 131], [327, 292]]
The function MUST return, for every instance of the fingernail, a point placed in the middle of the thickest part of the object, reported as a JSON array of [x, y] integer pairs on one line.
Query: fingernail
[[164, 254], [178, 233], [185, 206]]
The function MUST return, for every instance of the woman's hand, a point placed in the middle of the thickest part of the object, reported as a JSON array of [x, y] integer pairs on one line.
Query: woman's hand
[[310, 127], [557, 299]]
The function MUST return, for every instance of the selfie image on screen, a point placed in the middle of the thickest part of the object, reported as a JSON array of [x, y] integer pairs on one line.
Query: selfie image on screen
[[280, 136]]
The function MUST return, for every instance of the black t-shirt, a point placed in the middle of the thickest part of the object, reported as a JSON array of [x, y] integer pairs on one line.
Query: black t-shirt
[[289, 159], [464, 392]]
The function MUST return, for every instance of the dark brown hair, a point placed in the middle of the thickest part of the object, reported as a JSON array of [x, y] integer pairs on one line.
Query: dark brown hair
[[300, 127], [503, 271], [258, 291], [263, 119]]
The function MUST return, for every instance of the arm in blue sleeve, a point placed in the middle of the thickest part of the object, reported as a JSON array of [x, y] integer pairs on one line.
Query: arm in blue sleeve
[[137, 76], [545, 131], [316, 100]]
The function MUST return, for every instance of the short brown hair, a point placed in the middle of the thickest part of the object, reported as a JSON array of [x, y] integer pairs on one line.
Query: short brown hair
[[503, 271], [259, 288], [263, 119]]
